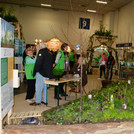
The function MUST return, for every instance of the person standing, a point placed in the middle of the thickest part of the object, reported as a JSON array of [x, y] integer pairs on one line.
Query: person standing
[[44, 71], [77, 70], [72, 57], [23, 60], [110, 64], [29, 64], [62, 62], [24, 53], [102, 65]]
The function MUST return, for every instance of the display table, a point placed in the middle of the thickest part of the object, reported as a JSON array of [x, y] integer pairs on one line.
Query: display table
[[125, 71], [62, 80]]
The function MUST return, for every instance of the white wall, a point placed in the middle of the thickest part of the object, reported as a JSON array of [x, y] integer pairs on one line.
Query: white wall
[[45, 24], [124, 24], [106, 21], [121, 22]]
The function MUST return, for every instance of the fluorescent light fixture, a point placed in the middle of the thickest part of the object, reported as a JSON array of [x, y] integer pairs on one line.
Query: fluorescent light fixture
[[46, 5], [91, 11], [102, 2]]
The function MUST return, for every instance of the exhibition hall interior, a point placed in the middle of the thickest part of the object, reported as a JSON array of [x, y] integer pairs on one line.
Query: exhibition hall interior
[[66, 62]]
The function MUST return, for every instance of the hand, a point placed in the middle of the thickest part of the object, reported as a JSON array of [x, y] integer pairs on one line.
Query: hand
[[53, 65]]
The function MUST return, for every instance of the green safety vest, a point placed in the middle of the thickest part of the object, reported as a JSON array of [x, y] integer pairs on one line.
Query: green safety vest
[[59, 68], [29, 69], [71, 56]]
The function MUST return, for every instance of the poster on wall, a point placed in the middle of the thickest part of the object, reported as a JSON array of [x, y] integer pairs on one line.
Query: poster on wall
[[7, 33], [18, 48]]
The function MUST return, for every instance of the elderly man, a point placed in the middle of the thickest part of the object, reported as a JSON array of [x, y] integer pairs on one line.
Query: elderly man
[[43, 70]]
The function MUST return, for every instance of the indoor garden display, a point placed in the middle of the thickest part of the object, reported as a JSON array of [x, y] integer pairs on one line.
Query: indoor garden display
[[111, 104], [101, 37]]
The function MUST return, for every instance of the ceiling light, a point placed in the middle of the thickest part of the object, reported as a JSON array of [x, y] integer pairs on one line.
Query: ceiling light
[[102, 2], [91, 11], [46, 5]]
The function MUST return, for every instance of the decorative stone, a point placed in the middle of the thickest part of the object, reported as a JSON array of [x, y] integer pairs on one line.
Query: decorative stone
[[90, 96]]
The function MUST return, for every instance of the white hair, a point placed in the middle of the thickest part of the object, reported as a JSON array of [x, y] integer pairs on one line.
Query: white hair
[[42, 45]]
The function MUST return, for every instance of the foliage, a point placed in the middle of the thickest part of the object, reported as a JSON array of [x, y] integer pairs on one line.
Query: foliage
[[8, 14], [2, 12], [102, 31], [106, 105], [10, 18], [105, 38]]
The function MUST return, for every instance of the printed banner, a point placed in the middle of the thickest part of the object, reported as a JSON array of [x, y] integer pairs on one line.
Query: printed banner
[[7, 32]]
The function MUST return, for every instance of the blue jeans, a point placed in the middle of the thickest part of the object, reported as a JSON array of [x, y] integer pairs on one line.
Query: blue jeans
[[41, 86]]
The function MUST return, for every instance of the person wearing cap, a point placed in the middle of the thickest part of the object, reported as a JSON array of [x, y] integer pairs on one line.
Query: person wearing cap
[[43, 71]]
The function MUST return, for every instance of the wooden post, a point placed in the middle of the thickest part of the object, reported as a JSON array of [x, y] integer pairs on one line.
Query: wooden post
[[8, 116], [21, 73]]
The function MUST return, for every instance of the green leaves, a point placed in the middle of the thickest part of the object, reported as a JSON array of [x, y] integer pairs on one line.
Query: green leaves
[[105, 106]]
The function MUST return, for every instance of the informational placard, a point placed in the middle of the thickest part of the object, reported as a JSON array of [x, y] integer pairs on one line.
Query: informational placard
[[4, 71], [6, 68], [6, 80], [6, 52], [124, 45], [18, 60], [6, 98], [18, 48]]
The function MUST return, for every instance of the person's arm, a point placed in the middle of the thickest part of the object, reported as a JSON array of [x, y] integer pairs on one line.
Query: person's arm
[[74, 69], [113, 61], [57, 58], [39, 62]]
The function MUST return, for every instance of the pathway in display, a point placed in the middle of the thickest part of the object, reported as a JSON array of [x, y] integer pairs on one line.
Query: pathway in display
[[103, 128]]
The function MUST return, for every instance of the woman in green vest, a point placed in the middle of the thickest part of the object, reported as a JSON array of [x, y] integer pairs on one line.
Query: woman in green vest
[[61, 67], [29, 67]]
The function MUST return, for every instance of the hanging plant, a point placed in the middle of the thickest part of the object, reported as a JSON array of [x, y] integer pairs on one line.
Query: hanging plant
[[10, 18], [8, 14], [102, 31], [2, 12]]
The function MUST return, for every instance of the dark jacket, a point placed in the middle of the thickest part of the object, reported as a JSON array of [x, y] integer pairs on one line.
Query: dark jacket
[[44, 63], [77, 70], [110, 61]]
